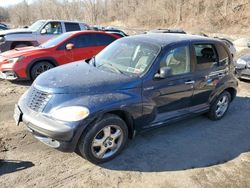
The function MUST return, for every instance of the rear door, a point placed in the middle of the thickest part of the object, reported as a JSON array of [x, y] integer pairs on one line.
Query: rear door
[[210, 68], [88, 45]]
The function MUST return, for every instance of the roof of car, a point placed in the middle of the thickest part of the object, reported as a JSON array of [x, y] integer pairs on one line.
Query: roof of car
[[164, 39], [63, 21]]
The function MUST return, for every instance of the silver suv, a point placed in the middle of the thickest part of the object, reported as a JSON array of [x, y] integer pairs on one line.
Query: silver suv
[[37, 33]]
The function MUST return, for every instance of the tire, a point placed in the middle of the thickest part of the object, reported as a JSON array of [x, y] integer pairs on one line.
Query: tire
[[222, 102], [39, 68], [97, 147]]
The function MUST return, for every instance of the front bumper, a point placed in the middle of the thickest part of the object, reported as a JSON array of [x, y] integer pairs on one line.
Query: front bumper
[[243, 73], [8, 75], [55, 134]]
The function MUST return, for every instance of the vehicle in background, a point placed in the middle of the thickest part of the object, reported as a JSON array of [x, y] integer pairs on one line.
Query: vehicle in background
[[3, 26], [110, 29], [37, 33], [242, 67], [29, 62], [177, 31], [135, 84]]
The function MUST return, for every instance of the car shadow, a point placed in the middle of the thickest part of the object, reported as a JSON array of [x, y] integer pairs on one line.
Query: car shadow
[[22, 83], [9, 166], [194, 143]]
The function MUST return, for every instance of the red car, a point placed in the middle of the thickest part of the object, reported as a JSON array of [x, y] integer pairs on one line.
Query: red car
[[28, 62]]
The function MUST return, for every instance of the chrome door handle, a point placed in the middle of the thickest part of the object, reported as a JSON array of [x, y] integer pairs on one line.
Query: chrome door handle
[[189, 82]]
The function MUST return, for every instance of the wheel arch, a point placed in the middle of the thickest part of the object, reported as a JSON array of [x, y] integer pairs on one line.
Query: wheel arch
[[33, 62]]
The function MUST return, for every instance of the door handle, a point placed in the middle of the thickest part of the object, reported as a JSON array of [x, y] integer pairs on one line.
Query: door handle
[[190, 82]]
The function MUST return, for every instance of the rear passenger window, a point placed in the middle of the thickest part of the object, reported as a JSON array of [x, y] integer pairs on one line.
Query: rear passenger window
[[223, 55], [72, 27], [85, 40], [104, 40], [206, 56]]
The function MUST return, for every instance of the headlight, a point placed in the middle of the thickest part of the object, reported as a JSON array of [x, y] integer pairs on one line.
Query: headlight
[[241, 62], [15, 59], [72, 113]]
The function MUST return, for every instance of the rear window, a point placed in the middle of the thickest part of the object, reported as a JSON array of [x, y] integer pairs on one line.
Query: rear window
[[72, 27]]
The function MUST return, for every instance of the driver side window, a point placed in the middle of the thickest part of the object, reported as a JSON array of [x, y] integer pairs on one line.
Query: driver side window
[[53, 28], [178, 59]]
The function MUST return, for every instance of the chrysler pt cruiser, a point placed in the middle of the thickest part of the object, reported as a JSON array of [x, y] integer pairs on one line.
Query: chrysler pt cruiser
[[137, 83]]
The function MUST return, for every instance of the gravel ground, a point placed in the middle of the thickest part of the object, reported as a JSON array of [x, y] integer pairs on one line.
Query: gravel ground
[[191, 153]]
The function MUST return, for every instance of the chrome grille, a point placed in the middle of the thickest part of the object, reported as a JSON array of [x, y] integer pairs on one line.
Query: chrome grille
[[37, 100]]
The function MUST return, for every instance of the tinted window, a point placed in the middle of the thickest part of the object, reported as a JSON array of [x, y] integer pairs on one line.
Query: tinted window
[[223, 55], [104, 40], [72, 27], [178, 59], [206, 55]]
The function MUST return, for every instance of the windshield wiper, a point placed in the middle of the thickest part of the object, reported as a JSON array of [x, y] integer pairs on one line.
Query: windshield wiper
[[112, 67]]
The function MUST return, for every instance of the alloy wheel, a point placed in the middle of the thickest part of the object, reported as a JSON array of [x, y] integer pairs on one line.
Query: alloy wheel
[[107, 141]]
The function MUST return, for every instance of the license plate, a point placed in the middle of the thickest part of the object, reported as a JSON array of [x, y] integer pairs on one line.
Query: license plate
[[17, 115]]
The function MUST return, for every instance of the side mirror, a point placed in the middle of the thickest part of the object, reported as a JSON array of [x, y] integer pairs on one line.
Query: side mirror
[[43, 31], [164, 73], [26, 27], [69, 46]]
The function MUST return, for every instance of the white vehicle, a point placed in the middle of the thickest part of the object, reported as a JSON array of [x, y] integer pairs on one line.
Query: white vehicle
[[37, 33]]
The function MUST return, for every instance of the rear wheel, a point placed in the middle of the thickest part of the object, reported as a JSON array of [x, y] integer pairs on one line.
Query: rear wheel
[[220, 106], [105, 140], [39, 68]]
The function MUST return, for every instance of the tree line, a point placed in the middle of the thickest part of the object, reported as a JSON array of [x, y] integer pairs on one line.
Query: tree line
[[213, 14]]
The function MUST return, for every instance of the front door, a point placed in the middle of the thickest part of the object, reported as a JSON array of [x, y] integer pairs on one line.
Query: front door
[[50, 30], [170, 97]]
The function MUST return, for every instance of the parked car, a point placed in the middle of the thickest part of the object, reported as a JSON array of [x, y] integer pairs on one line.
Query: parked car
[[37, 33], [178, 31], [28, 62], [135, 84], [109, 29], [3, 27], [242, 67]]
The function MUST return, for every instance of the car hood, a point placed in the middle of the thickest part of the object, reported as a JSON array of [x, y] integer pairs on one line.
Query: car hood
[[15, 31], [24, 51], [80, 77]]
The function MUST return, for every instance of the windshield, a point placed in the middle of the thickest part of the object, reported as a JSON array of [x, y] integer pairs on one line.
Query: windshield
[[55, 41], [127, 56], [37, 25]]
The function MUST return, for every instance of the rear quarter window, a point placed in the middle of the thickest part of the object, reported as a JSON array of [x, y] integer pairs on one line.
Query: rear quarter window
[[223, 55]]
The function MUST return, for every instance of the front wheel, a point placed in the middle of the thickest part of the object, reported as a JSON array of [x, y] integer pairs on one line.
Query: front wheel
[[220, 106], [104, 140], [39, 68]]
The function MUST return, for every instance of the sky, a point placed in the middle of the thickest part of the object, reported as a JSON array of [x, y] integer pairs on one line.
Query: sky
[[6, 3]]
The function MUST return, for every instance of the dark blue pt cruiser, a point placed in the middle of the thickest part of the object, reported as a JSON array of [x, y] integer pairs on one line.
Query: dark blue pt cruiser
[[137, 83]]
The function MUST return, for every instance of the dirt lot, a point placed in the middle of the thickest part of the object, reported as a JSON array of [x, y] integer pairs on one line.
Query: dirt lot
[[192, 153]]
